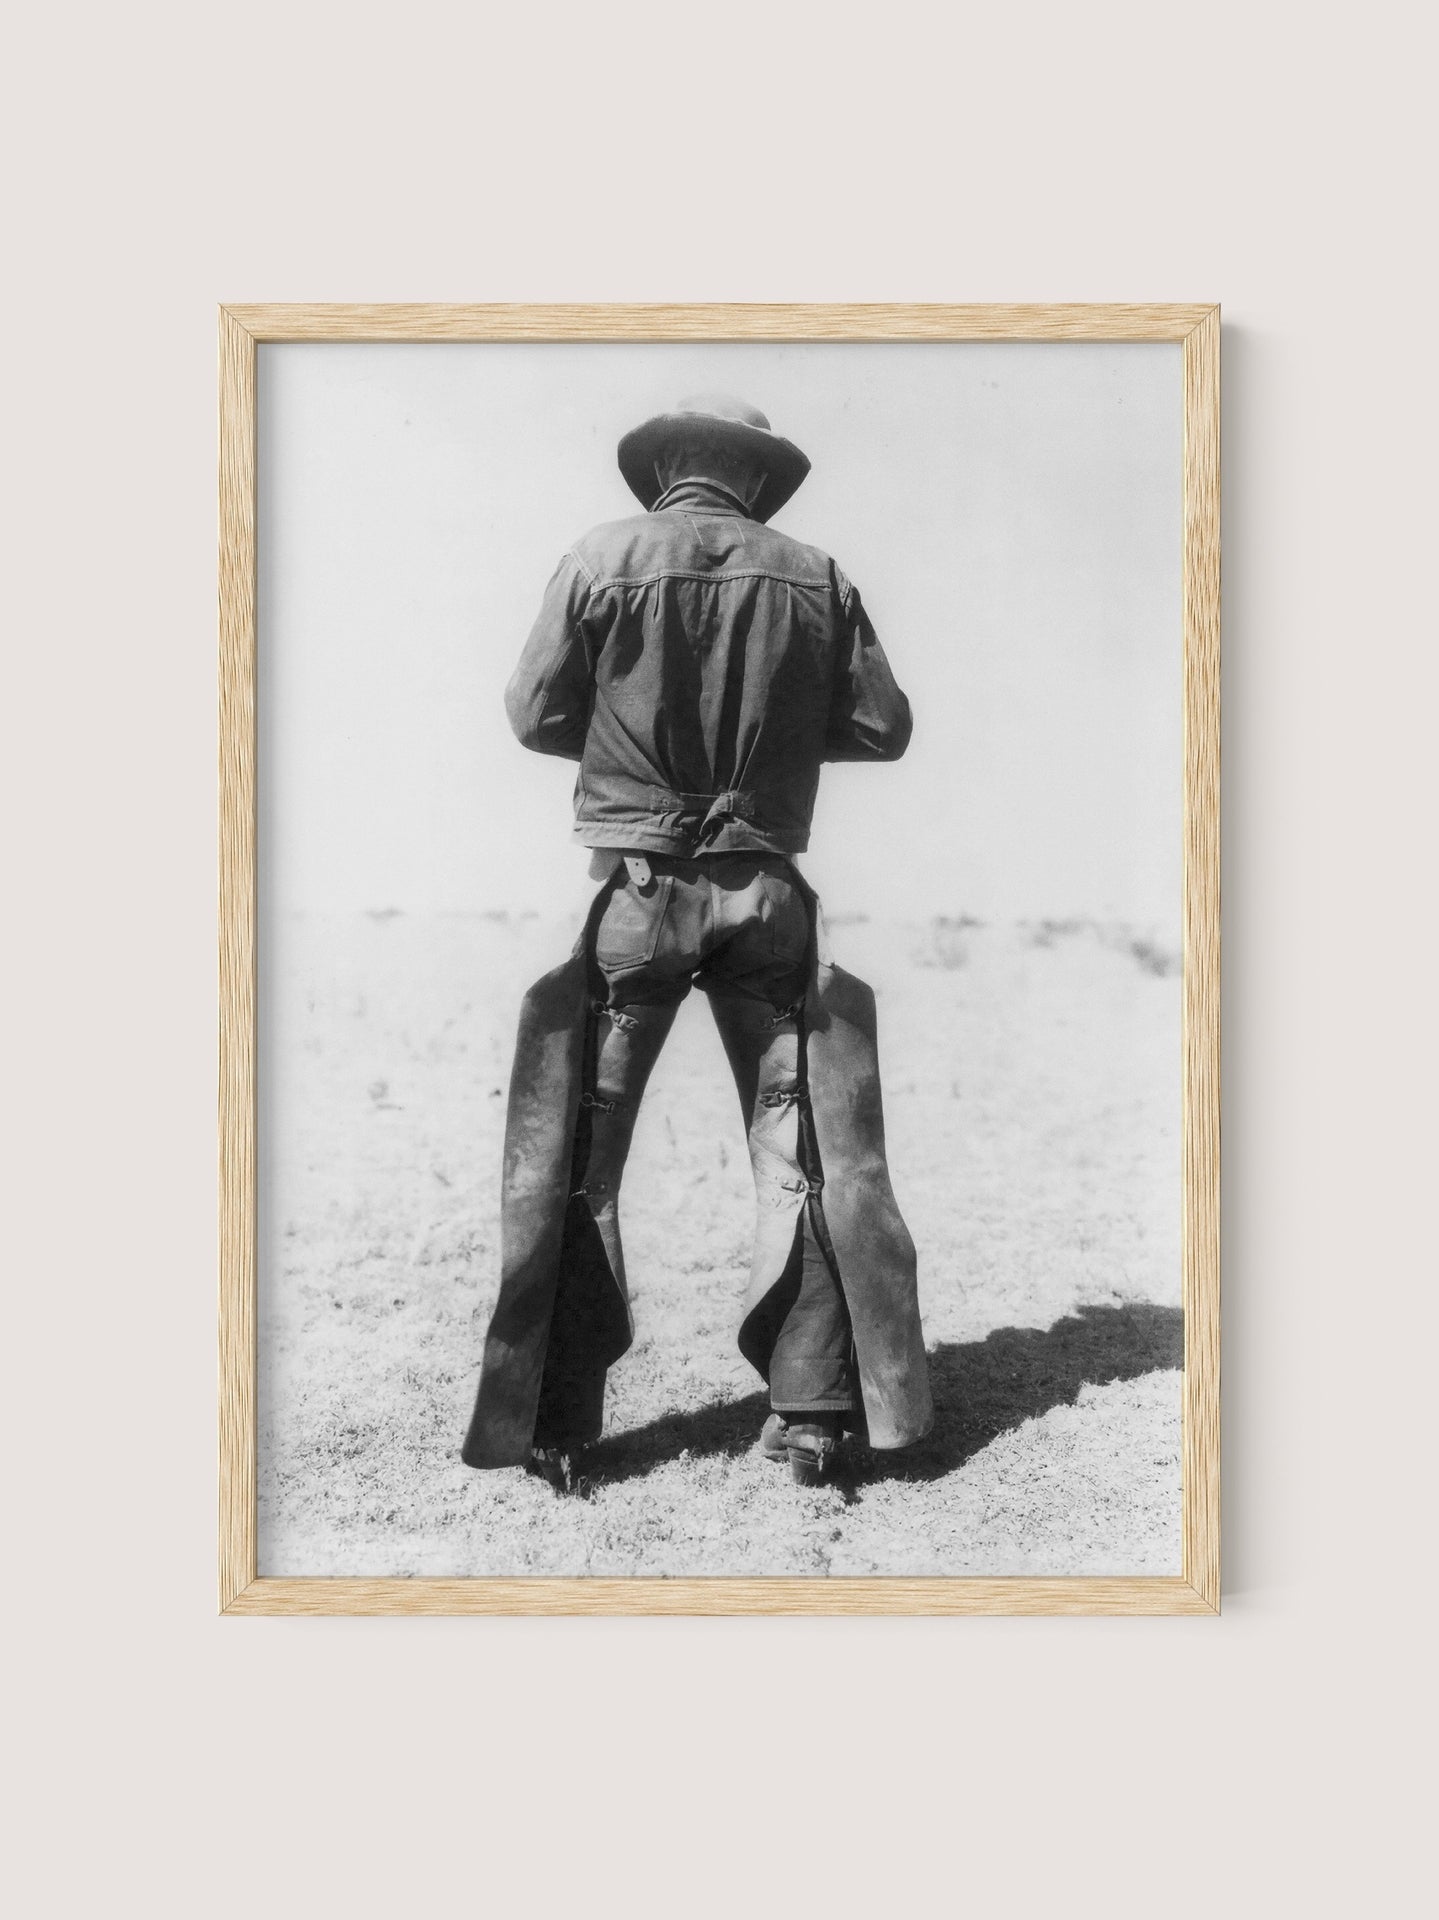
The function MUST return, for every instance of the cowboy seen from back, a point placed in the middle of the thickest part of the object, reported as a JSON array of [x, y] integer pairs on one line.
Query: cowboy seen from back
[[701, 667]]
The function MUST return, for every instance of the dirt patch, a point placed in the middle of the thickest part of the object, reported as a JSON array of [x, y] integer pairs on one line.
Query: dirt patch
[[1032, 1102]]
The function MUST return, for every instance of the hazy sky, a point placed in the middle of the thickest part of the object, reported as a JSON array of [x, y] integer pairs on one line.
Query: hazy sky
[[1011, 515]]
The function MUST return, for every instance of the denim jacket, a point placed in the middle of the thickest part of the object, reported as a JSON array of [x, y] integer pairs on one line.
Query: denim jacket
[[701, 666]]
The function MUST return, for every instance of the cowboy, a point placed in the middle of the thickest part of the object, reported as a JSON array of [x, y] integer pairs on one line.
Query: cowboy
[[700, 667]]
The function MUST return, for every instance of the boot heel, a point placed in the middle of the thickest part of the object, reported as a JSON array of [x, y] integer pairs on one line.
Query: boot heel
[[807, 1469]]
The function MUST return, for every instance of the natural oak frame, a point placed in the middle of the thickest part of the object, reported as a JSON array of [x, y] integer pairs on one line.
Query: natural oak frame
[[1196, 1590]]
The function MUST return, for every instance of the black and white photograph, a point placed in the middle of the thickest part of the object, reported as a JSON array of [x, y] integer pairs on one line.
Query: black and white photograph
[[620, 765], [719, 851]]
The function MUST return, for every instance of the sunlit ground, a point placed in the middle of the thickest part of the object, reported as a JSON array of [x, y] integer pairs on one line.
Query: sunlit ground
[[1031, 1081]]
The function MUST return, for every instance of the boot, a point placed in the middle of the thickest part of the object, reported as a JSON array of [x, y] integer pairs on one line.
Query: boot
[[810, 1442]]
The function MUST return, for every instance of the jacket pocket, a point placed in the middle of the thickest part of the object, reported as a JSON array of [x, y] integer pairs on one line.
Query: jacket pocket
[[628, 934]]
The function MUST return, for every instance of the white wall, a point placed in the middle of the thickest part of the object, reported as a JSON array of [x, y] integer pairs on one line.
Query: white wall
[[1271, 156]]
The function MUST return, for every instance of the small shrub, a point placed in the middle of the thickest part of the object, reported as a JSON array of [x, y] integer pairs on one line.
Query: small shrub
[[1047, 932], [945, 946], [1155, 959]]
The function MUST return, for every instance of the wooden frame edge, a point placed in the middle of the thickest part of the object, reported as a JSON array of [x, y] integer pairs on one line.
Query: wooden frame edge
[[1201, 1189], [237, 1440], [1017, 1595], [1197, 1590], [774, 321]]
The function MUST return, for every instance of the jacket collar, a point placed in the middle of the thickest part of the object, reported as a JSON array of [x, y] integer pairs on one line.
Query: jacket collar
[[697, 495]]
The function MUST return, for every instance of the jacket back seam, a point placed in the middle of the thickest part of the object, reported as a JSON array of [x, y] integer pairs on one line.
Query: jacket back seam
[[706, 578]]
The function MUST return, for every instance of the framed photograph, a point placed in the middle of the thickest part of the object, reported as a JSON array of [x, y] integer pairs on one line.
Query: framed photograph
[[719, 1074]]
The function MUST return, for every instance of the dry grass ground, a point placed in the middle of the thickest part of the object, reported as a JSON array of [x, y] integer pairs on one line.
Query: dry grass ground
[[1031, 1083]]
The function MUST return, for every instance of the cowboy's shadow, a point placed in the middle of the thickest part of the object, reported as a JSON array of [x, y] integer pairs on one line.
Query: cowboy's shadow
[[980, 1391], [982, 1388]]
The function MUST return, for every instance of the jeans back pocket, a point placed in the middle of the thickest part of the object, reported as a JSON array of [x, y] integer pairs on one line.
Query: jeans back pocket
[[788, 916], [628, 934]]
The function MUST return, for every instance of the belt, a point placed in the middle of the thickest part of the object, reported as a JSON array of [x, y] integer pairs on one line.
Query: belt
[[715, 810]]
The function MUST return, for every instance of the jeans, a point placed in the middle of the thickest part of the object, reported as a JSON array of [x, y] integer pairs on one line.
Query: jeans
[[736, 925]]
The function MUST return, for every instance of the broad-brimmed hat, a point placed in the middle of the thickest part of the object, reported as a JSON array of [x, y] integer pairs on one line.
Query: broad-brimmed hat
[[722, 421]]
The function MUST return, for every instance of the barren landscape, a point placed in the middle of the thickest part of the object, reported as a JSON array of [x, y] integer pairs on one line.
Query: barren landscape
[[1031, 1077]]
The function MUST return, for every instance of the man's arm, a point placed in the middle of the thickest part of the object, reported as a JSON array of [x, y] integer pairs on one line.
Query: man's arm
[[869, 718], [550, 692]]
